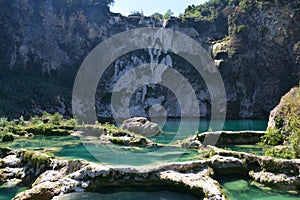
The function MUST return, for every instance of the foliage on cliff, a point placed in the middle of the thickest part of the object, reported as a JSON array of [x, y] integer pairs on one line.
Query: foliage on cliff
[[283, 135], [209, 10], [43, 43], [214, 8]]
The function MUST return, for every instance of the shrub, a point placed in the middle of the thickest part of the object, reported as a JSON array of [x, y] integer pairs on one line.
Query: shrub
[[273, 137], [293, 128], [168, 14], [4, 122], [137, 13], [71, 123], [45, 115], [287, 129], [278, 122], [56, 119], [280, 152], [157, 16], [36, 120]]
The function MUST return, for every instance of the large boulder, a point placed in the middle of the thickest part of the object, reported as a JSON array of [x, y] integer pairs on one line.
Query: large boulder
[[141, 126], [289, 104]]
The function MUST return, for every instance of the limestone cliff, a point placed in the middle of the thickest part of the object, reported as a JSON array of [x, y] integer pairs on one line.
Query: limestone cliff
[[43, 43], [288, 107]]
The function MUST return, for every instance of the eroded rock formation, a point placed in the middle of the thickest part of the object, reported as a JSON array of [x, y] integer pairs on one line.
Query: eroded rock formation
[[43, 43]]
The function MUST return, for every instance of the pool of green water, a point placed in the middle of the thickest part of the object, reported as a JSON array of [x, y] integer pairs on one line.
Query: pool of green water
[[8, 191], [172, 125], [236, 188], [254, 149], [73, 148]]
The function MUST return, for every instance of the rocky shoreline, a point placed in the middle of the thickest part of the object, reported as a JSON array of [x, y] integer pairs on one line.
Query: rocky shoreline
[[49, 177]]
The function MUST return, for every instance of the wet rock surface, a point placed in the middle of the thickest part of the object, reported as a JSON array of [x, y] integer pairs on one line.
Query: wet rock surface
[[57, 177]]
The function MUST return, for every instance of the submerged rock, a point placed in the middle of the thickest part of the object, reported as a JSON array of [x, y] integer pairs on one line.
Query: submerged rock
[[141, 126]]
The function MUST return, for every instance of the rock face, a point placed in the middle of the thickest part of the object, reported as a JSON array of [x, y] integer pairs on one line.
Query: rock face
[[43, 43], [141, 126], [290, 102]]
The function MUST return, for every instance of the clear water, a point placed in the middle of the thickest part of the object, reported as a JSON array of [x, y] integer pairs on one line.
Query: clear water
[[73, 148], [241, 189], [8, 191], [172, 125], [254, 149], [161, 195]]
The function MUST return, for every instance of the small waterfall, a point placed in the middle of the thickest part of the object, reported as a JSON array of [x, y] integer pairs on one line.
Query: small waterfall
[[54, 165]]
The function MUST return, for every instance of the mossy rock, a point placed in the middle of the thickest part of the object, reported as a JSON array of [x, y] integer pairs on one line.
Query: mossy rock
[[48, 130], [139, 141], [116, 140], [36, 159]]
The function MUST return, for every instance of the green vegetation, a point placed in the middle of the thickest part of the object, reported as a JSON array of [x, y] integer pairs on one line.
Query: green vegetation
[[48, 124], [209, 10], [273, 137], [56, 119], [56, 125], [168, 14], [284, 139], [36, 159], [246, 5], [241, 28], [215, 8], [137, 13], [157, 16]]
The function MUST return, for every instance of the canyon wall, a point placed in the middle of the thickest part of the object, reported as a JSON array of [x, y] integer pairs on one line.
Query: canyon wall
[[43, 43]]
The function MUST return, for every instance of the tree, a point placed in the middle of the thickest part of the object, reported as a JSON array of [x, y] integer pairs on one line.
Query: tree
[[168, 14], [137, 13], [157, 16]]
